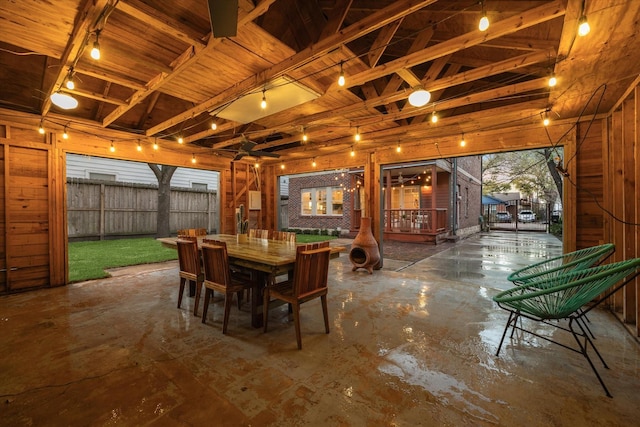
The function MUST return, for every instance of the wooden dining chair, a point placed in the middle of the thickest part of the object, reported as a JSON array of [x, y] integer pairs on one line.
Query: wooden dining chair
[[189, 269], [218, 278], [309, 282]]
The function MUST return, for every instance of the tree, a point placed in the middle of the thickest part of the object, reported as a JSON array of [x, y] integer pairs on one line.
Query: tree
[[532, 172], [164, 174]]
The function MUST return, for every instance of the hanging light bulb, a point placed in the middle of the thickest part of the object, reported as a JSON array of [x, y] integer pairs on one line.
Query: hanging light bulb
[[155, 144], [434, 117], [553, 80], [180, 139], [282, 165], [64, 101], [419, 96], [263, 103], [256, 165], [398, 149], [462, 141], [583, 26], [484, 21], [214, 125], [112, 148], [341, 80], [353, 152], [546, 120], [193, 159], [41, 127], [305, 137], [95, 52], [70, 84], [139, 147], [357, 136], [65, 135], [313, 162]]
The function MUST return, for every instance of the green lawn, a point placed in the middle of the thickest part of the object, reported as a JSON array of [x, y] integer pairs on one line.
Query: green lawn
[[88, 260]]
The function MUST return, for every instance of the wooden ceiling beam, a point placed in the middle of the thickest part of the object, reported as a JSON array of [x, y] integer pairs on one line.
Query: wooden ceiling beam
[[89, 13], [102, 75], [367, 25], [335, 18], [150, 16], [185, 60], [382, 41], [498, 29], [96, 96]]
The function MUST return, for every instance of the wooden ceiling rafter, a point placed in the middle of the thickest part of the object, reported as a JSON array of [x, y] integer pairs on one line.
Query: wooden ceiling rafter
[[369, 24], [439, 84], [189, 57], [88, 13]]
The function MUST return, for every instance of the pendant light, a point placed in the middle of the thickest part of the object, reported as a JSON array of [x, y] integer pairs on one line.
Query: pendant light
[[419, 97], [41, 127], [263, 103], [434, 117], [64, 101], [583, 26], [462, 141]]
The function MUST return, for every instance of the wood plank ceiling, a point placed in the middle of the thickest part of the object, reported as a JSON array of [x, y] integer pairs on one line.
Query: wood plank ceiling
[[162, 74]]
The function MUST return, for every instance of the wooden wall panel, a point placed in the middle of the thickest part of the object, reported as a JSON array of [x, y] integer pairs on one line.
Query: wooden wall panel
[[27, 204], [3, 235]]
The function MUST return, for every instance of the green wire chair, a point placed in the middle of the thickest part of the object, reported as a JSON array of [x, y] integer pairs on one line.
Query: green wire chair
[[577, 260], [562, 297], [583, 258]]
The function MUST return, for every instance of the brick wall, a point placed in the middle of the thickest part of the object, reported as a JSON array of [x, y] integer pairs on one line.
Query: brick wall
[[298, 183]]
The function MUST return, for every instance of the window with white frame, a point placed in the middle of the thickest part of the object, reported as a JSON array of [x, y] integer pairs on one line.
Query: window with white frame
[[322, 201]]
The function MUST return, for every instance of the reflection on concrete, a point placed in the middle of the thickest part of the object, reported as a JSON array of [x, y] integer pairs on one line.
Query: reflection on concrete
[[411, 344]]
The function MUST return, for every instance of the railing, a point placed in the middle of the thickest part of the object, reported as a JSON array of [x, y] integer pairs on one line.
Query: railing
[[415, 220]]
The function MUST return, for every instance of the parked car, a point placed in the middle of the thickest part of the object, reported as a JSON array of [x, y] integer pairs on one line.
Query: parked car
[[556, 216], [503, 217], [526, 216]]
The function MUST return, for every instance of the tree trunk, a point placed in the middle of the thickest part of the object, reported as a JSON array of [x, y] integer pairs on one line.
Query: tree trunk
[[551, 164], [163, 173]]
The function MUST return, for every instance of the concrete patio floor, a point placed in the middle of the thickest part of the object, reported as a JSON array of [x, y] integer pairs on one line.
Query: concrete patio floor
[[411, 344]]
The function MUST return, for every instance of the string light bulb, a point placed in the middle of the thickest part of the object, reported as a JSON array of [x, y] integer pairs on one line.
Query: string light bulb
[[341, 79], [462, 141], [263, 103], [353, 152], [155, 144], [95, 52], [41, 127], [214, 125], [180, 139], [305, 137], [583, 26], [256, 165], [112, 148], [139, 147], [313, 162], [70, 84], [282, 165], [553, 80], [434, 117], [65, 134], [357, 136], [546, 120], [483, 25], [193, 159], [398, 149]]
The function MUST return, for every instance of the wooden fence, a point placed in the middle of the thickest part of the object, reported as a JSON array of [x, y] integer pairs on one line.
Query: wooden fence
[[104, 209]]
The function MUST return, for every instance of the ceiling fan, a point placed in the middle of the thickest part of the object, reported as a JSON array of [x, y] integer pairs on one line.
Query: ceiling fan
[[246, 149]]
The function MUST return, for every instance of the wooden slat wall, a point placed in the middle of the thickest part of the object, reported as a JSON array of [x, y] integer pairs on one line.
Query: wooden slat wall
[[28, 220], [3, 235]]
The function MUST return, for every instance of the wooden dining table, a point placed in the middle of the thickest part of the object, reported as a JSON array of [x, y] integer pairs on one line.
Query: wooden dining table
[[265, 258]]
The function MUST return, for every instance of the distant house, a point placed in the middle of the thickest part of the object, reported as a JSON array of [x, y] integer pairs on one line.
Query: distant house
[[99, 168], [422, 202]]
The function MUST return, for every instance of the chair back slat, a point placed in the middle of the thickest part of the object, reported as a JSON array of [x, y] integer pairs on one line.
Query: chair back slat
[[188, 258], [216, 264], [311, 271]]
